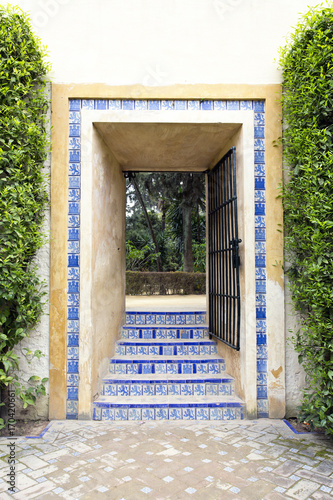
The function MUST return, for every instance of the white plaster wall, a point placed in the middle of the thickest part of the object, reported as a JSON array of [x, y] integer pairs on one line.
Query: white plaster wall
[[162, 42], [39, 336]]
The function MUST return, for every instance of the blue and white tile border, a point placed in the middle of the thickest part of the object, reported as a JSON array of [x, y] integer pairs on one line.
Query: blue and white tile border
[[74, 227]]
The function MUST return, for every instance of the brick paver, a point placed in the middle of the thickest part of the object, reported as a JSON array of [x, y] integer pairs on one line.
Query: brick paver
[[248, 460]]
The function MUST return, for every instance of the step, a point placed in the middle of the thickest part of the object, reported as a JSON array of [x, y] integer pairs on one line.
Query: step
[[152, 332], [177, 347], [168, 385], [165, 408], [165, 318], [177, 364]]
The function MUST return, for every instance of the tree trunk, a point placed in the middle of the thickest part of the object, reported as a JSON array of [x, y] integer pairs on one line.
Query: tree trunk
[[187, 239], [152, 233]]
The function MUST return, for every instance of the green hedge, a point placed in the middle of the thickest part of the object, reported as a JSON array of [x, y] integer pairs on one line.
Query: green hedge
[[307, 64], [140, 283]]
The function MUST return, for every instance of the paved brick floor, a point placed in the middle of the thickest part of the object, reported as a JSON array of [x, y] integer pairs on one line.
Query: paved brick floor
[[178, 460]]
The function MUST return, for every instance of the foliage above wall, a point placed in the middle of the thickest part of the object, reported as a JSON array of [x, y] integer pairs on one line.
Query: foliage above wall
[[23, 194], [307, 64]]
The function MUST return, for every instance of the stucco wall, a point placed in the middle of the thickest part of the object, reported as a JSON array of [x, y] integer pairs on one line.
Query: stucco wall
[[163, 42]]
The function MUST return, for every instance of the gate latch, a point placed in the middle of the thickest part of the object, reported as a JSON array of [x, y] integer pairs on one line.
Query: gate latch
[[234, 244]]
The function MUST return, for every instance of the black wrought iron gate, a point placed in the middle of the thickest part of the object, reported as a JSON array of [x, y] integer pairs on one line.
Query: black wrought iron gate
[[223, 255]]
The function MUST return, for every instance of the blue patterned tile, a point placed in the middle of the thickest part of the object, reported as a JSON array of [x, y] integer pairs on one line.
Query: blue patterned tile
[[150, 319], [261, 325], [147, 368], [202, 413], [140, 319], [205, 350], [220, 105], [262, 392], [168, 351], [261, 312], [154, 350], [88, 104], [259, 169], [131, 350], [73, 221], [71, 407], [262, 406], [181, 105], [136, 390], [73, 313], [73, 246], [200, 318], [74, 143], [72, 366], [153, 105], [259, 196], [167, 105], [161, 413], [121, 414], [212, 390], [134, 414], [147, 334], [73, 393], [148, 414], [216, 414], [74, 182], [174, 389], [189, 414], [182, 350], [259, 208], [141, 105], [97, 413], [133, 334], [74, 155], [261, 339], [193, 105], [120, 350], [260, 260], [259, 156], [73, 260], [74, 117], [128, 104], [72, 353], [160, 319], [259, 222], [259, 119], [246, 105], [132, 368], [260, 286], [148, 389], [233, 105], [73, 208], [160, 368], [143, 350], [101, 104], [170, 319], [130, 319], [161, 390], [207, 105], [259, 133], [72, 339], [186, 389], [259, 145], [73, 234], [161, 334], [110, 390], [259, 182], [229, 414], [261, 300], [259, 106], [73, 379], [261, 365], [199, 390], [74, 104], [120, 369], [72, 326], [74, 130], [185, 334], [261, 351], [175, 413], [74, 169], [193, 350], [214, 368], [224, 389], [114, 104], [190, 319], [186, 368], [262, 379], [260, 274], [107, 414], [74, 194], [202, 368]]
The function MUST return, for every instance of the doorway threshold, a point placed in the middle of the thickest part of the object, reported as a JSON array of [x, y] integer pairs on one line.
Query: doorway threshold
[[172, 303]]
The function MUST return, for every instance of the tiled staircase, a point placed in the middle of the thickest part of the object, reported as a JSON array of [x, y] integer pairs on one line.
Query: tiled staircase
[[166, 367]]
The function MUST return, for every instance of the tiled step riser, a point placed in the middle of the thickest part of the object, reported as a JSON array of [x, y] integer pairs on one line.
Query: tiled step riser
[[168, 413], [166, 350], [163, 367], [174, 389], [143, 318], [164, 333]]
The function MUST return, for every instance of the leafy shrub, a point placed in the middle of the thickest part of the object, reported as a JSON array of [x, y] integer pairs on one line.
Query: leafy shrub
[[141, 283], [23, 105], [307, 64]]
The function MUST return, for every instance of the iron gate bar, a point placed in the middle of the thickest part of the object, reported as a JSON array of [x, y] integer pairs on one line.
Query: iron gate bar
[[223, 252]]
